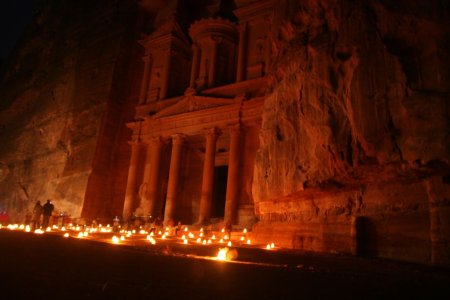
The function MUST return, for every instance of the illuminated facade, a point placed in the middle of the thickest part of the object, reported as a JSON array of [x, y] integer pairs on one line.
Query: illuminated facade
[[195, 135]]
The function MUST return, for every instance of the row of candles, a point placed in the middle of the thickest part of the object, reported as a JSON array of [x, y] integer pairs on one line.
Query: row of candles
[[187, 236]]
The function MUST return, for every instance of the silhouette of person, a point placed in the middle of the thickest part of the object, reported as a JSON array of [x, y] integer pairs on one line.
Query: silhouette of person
[[47, 211], [37, 213]]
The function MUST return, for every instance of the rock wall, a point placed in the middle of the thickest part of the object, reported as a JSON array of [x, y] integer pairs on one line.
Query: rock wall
[[54, 97], [355, 129]]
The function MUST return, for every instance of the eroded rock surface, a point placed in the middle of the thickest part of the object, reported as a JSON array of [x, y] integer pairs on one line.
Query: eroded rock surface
[[355, 127]]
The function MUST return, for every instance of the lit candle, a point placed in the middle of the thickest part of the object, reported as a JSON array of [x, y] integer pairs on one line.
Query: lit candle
[[222, 255], [229, 244], [249, 242]]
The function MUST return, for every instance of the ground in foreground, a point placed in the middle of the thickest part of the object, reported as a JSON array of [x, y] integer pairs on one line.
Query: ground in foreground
[[51, 267]]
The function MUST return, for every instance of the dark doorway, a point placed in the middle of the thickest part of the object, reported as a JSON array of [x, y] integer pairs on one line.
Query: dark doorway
[[220, 190], [366, 237]]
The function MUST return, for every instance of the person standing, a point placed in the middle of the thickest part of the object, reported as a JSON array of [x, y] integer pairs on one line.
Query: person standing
[[37, 213], [47, 211]]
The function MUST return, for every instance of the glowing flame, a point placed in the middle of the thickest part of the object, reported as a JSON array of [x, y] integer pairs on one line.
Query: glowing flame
[[249, 242], [39, 231], [199, 240], [48, 229], [242, 238], [122, 238], [80, 235], [66, 235], [272, 245], [185, 241], [229, 244], [222, 255], [63, 228], [142, 231], [27, 228], [115, 239], [245, 230], [185, 229], [22, 227], [268, 247]]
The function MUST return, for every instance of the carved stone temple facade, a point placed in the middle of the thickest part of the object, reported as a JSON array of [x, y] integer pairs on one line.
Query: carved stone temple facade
[[319, 125], [195, 133]]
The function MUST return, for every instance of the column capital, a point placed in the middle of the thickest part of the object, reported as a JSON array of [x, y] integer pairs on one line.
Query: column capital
[[147, 58], [135, 143], [235, 129], [242, 27], [178, 139], [212, 132], [156, 141]]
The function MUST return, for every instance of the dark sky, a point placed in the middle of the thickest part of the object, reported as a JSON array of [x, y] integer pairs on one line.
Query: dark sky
[[14, 17]]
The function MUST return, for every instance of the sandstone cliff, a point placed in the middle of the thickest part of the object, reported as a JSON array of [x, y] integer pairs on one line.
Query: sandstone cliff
[[54, 99], [355, 136]]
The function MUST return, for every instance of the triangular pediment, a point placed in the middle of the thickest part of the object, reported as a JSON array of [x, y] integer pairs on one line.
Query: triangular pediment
[[169, 28], [191, 104]]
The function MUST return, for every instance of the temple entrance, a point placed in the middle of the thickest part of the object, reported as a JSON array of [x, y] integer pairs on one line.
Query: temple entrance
[[220, 190]]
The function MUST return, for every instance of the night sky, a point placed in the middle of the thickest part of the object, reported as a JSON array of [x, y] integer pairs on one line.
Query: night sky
[[14, 17]]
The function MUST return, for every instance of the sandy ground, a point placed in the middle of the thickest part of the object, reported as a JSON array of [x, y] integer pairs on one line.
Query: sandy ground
[[51, 267]]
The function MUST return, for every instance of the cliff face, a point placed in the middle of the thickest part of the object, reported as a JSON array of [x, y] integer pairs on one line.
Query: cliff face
[[54, 97], [355, 129]]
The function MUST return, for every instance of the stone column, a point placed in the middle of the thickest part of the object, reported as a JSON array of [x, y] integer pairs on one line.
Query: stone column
[[212, 65], [152, 175], [174, 174], [195, 62], [132, 182], [208, 176], [240, 76], [232, 196], [145, 80]]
